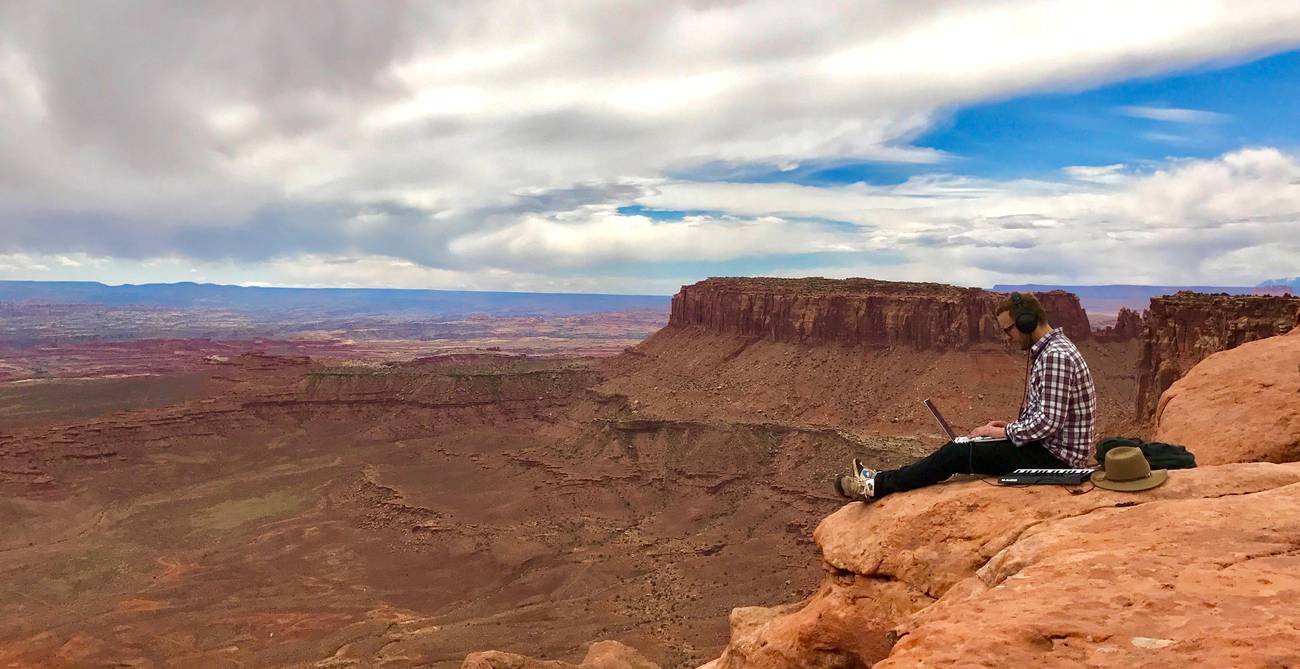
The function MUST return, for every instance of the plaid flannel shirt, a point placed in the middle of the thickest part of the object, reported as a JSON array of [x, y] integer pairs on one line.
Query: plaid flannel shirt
[[1061, 402]]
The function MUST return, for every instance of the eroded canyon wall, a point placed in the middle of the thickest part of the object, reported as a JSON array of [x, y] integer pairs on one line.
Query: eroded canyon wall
[[1127, 327], [1185, 328]]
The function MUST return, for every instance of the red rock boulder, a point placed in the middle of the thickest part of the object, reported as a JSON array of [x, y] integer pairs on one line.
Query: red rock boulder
[[1241, 405]]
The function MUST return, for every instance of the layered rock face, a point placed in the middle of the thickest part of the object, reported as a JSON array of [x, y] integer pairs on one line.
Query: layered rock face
[[1185, 328], [1241, 405], [862, 312]]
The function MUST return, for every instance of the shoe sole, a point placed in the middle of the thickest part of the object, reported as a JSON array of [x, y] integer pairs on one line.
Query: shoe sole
[[839, 490]]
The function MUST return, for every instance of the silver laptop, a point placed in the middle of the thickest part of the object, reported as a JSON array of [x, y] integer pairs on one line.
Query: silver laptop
[[947, 429]]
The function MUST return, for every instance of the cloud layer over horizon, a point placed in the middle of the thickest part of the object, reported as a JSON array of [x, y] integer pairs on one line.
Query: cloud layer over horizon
[[569, 146]]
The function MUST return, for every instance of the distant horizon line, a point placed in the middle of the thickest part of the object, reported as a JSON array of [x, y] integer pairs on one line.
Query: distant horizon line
[[291, 287], [995, 287]]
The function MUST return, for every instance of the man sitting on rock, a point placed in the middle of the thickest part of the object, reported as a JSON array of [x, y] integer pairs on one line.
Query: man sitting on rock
[[1054, 430]]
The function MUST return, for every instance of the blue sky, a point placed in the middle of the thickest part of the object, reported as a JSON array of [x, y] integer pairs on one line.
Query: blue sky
[[588, 148], [1255, 103]]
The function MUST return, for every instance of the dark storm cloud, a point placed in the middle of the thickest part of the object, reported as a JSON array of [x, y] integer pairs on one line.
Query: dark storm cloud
[[134, 79]]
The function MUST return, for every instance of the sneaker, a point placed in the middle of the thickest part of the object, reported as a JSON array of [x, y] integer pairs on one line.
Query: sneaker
[[860, 486]]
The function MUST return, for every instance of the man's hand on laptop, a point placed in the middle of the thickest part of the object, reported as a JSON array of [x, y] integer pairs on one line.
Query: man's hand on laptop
[[994, 428]]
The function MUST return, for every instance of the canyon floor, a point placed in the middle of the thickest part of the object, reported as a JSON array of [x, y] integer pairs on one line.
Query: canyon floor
[[258, 509]]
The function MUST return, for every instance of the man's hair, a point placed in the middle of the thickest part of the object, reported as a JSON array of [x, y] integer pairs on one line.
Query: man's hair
[[1028, 304]]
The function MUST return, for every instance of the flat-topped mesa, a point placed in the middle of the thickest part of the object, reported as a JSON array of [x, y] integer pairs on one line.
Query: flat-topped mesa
[[864, 312], [1272, 290], [1182, 329]]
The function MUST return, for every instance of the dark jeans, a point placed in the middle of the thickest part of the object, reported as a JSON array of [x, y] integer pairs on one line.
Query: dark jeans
[[990, 458]]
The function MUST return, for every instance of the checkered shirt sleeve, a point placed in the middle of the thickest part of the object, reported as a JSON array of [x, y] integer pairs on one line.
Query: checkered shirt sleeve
[[1061, 406]]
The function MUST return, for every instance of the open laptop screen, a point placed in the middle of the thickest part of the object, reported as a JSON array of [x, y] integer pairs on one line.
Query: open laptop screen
[[947, 429]]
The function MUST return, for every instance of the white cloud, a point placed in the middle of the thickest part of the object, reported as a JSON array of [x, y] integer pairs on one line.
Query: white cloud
[[319, 271], [1193, 221], [1224, 221], [23, 265], [1173, 114], [479, 138], [1102, 174], [599, 236]]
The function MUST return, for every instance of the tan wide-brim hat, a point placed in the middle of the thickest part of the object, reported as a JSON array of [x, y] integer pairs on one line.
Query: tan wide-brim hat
[[1127, 470]]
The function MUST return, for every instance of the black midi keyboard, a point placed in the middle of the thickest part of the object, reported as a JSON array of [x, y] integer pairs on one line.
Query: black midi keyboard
[[1046, 477]]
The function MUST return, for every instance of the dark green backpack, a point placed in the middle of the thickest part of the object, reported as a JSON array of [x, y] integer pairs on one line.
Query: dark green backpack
[[1159, 455]]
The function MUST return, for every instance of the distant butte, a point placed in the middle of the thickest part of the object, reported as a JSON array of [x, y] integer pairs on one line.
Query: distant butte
[[864, 312]]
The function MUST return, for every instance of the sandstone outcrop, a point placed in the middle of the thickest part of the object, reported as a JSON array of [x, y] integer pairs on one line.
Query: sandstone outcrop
[[1128, 326], [1202, 571], [1241, 405], [1185, 328], [860, 312]]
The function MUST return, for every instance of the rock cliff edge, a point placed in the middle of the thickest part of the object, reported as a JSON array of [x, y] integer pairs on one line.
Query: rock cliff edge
[[863, 312], [1185, 328]]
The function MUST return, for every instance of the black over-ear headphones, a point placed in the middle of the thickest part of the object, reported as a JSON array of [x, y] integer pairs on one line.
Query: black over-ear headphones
[[1026, 319]]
